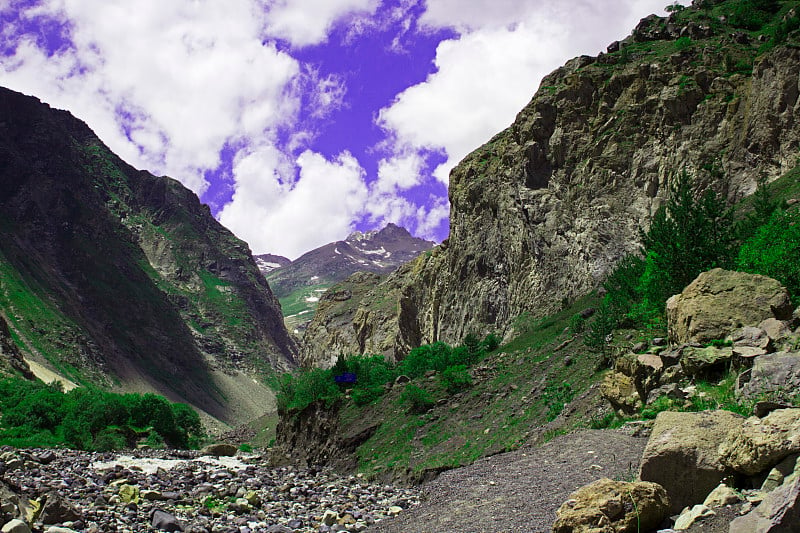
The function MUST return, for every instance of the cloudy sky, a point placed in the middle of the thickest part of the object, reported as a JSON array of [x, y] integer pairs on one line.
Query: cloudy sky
[[299, 121]]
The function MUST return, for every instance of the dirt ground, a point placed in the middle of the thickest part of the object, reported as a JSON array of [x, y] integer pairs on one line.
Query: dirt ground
[[519, 491]]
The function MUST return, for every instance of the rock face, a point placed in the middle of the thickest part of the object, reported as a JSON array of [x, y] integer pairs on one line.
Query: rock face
[[720, 301], [777, 373], [608, 505], [122, 275], [682, 454], [546, 208]]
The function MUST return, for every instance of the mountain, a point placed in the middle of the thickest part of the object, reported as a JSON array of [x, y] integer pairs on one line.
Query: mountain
[[300, 284], [543, 211], [268, 262], [114, 277]]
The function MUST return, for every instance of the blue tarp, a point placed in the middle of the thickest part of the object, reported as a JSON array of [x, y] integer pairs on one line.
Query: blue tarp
[[347, 377]]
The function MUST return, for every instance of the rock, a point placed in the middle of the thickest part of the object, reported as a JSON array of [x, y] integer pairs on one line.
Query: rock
[[639, 347], [15, 526], [778, 475], [779, 511], [659, 341], [394, 510], [776, 374], [330, 517], [55, 511], [777, 330], [219, 449], [128, 493], [617, 506], [761, 443], [719, 301], [704, 361], [721, 496], [763, 408], [682, 454], [46, 457], [752, 336], [688, 518], [621, 393], [152, 495], [164, 521]]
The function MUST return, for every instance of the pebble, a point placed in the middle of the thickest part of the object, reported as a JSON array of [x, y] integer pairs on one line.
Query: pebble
[[171, 490]]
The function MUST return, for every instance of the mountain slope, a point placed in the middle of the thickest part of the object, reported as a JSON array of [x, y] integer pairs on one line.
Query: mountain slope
[[542, 212], [116, 277], [300, 284]]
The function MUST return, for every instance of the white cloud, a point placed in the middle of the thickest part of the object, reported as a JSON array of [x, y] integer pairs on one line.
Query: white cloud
[[307, 22], [487, 74], [165, 84], [290, 216], [429, 219]]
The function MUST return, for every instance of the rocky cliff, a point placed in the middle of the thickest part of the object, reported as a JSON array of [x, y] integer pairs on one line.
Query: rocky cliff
[[119, 278], [543, 211]]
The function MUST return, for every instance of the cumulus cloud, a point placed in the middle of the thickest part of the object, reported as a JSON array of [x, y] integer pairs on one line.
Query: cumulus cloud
[[281, 213], [165, 84], [307, 22], [490, 71]]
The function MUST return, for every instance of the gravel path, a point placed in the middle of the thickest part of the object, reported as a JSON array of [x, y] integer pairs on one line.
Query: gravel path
[[520, 490]]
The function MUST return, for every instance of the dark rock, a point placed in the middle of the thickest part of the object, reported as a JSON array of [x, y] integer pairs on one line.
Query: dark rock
[[56, 511], [164, 521]]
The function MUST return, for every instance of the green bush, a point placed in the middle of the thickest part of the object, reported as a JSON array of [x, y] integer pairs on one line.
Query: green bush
[[419, 400], [577, 324], [456, 378], [752, 14], [774, 251], [555, 397], [298, 391]]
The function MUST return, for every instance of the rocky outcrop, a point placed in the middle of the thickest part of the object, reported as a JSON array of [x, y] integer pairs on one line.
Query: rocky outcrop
[[546, 208], [779, 509], [776, 374], [682, 454], [11, 360], [123, 278], [720, 301], [608, 505]]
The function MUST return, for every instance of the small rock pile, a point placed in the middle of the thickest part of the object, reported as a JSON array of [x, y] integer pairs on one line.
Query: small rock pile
[[58, 491]]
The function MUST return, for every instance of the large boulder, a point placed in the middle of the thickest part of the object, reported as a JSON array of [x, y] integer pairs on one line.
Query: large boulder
[[608, 505], [776, 374], [620, 391], [719, 301], [682, 454], [702, 361], [761, 443]]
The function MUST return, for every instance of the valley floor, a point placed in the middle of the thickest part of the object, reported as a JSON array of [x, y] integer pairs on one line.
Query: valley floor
[[519, 491]]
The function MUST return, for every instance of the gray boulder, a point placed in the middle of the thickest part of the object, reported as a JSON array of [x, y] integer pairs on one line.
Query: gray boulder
[[219, 449], [779, 511], [682, 454], [761, 443], [776, 375], [720, 301]]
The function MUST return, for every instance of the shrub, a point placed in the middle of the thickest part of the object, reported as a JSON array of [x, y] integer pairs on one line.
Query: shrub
[[556, 396], [490, 343], [456, 378], [419, 400], [577, 324], [298, 391], [774, 251]]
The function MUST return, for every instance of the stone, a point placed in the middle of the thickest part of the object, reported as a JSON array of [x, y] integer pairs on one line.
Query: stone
[[57, 529], [751, 336], [15, 526], [778, 512], [765, 407], [128, 493], [617, 506], [46, 457], [721, 496], [778, 475], [688, 518], [330, 517], [761, 443], [775, 374], [720, 301], [219, 449], [165, 521], [152, 495], [394, 510], [703, 361], [621, 393], [776, 330], [682, 454], [56, 511]]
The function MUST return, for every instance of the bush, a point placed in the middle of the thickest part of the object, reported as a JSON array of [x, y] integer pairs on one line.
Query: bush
[[419, 400], [456, 378], [298, 391], [556, 396], [577, 324], [774, 251]]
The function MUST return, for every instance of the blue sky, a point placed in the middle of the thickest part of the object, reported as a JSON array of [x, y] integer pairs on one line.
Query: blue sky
[[299, 121]]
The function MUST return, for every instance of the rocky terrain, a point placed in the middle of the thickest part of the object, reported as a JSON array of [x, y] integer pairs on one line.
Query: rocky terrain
[[118, 278], [300, 283], [60, 491], [541, 212]]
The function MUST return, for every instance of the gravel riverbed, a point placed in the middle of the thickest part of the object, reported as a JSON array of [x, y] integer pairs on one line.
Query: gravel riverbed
[[158, 490]]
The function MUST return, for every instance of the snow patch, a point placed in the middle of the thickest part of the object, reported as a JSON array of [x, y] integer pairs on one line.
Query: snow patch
[[312, 299]]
